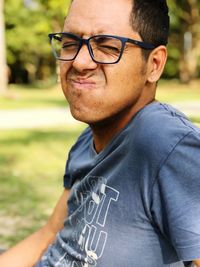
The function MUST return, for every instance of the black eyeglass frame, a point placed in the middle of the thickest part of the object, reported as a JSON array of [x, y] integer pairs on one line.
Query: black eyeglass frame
[[86, 42]]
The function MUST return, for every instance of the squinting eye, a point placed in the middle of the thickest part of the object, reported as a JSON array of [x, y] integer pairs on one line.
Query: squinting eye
[[69, 46], [109, 49], [107, 45]]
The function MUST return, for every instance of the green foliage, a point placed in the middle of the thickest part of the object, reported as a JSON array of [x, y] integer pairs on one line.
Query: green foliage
[[27, 26], [185, 18]]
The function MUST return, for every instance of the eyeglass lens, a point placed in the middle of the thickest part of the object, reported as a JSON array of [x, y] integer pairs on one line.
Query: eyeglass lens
[[103, 49]]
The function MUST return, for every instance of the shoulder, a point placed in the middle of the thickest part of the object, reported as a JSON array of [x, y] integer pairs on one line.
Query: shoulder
[[175, 195], [159, 119], [158, 128]]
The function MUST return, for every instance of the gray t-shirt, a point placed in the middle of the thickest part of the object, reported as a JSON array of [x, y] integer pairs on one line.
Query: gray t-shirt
[[137, 202]]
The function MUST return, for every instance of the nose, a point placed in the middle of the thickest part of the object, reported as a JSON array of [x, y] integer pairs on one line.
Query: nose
[[83, 60]]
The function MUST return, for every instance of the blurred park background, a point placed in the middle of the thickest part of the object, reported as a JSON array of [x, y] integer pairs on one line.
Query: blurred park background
[[36, 129]]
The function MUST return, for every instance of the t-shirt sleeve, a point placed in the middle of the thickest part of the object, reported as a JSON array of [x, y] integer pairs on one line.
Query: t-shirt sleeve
[[67, 181], [176, 198], [72, 162]]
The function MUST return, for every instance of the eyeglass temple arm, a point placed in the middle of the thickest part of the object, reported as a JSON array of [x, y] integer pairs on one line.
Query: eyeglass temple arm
[[141, 44]]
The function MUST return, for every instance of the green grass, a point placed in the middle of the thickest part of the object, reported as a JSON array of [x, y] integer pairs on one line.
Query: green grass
[[31, 176], [173, 91], [29, 97]]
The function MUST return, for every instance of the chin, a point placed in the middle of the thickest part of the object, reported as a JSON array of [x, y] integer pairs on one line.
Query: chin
[[79, 115], [89, 118]]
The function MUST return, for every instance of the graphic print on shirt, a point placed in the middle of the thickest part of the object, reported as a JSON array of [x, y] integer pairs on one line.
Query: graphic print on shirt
[[88, 212]]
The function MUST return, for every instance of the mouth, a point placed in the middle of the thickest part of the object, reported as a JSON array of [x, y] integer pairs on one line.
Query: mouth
[[82, 84]]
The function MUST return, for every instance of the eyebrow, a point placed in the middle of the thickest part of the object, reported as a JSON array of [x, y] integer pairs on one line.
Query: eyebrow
[[81, 34]]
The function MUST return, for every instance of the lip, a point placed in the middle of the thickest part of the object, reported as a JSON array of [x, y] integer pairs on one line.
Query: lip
[[83, 83]]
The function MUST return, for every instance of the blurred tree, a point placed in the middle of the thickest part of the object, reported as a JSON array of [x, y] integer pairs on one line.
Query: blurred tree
[[185, 37], [3, 66], [28, 23]]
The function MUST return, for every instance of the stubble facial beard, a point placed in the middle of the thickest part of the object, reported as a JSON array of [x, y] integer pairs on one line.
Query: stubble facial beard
[[73, 98], [76, 97]]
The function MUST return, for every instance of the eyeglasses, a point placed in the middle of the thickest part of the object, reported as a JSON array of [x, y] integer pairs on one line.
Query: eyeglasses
[[103, 49]]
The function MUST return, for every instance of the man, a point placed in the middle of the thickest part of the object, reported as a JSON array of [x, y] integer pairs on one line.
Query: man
[[132, 179]]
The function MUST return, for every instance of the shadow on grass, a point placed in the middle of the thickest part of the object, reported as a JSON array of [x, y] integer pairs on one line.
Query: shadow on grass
[[20, 210], [18, 195], [31, 169]]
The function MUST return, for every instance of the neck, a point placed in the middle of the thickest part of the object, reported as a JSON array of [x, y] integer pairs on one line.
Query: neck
[[104, 131]]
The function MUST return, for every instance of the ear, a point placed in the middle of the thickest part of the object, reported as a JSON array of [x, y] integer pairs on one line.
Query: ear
[[156, 63]]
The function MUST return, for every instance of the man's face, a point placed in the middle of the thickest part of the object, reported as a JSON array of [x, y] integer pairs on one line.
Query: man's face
[[97, 93]]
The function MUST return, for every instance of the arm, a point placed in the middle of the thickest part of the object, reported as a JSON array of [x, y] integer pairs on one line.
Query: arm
[[28, 252]]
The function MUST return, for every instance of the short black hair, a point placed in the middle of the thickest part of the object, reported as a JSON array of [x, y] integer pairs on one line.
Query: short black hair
[[150, 19]]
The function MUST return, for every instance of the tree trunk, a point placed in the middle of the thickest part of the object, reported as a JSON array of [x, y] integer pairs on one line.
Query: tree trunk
[[3, 66], [191, 41]]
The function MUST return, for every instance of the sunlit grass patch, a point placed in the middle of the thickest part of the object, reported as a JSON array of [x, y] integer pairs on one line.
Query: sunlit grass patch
[[19, 96], [173, 91]]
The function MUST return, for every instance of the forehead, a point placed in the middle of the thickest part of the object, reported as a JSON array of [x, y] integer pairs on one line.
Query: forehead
[[87, 17]]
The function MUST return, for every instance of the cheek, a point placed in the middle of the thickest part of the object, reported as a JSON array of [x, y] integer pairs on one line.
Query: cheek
[[121, 81], [125, 85], [64, 70]]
